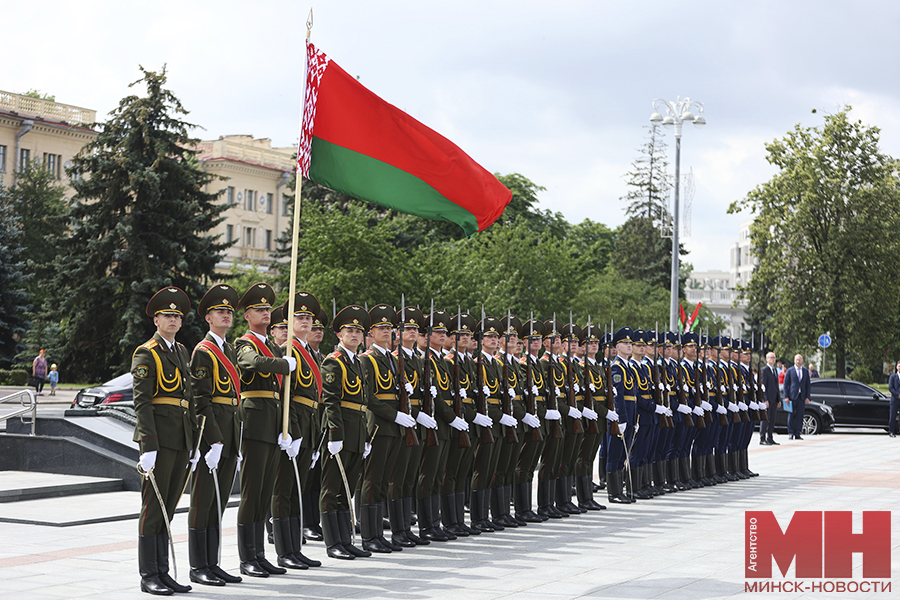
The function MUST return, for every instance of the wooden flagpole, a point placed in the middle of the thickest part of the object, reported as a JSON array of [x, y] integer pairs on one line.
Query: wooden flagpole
[[295, 240]]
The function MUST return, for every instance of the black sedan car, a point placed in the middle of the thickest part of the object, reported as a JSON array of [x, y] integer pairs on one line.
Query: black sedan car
[[114, 390], [818, 417], [854, 404]]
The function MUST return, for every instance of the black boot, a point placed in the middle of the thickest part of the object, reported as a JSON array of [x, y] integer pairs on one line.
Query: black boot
[[614, 490], [510, 504], [246, 536], [436, 515], [449, 517], [563, 500], [459, 501], [162, 560], [712, 461], [506, 519], [407, 523], [730, 474], [543, 501], [297, 543], [331, 535], [398, 529], [522, 493], [746, 464], [369, 525], [149, 568], [684, 465], [198, 556], [601, 473], [212, 556], [311, 529], [284, 547], [475, 517], [425, 514], [382, 511], [344, 528], [705, 477], [662, 476], [260, 531]]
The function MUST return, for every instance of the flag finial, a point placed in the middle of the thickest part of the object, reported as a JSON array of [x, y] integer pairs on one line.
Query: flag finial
[[309, 22]]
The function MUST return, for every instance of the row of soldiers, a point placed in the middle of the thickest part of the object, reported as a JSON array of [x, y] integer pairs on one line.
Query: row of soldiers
[[437, 411]]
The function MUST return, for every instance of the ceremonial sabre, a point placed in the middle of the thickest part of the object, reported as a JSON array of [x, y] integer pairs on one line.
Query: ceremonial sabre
[[162, 506], [215, 474], [196, 452], [340, 464]]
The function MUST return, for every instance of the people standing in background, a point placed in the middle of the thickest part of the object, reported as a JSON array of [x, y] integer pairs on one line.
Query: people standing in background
[[894, 389], [39, 371], [813, 373], [796, 390], [54, 379]]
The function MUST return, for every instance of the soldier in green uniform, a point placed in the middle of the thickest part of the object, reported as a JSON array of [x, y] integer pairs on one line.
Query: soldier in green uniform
[[344, 396], [278, 326], [533, 430], [262, 369], [406, 469], [513, 408], [387, 423], [216, 384], [311, 528], [166, 419], [462, 455], [574, 428], [553, 443], [487, 448], [594, 409], [305, 391]]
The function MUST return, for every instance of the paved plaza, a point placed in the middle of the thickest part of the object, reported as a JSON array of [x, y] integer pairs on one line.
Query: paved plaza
[[686, 545]]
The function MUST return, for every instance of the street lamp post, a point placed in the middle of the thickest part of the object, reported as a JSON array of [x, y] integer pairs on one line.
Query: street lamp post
[[676, 114]]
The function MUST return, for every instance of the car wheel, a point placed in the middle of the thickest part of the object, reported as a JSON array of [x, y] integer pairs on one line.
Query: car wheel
[[812, 424]]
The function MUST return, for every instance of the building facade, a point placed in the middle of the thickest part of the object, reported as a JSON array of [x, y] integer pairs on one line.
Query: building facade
[[252, 178], [43, 132]]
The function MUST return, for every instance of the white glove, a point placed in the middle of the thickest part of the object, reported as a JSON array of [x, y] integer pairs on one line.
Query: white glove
[[212, 457], [637, 427], [734, 385], [660, 409], [535, 391], [623, 427], [367, 450], [292, 362], [668, 412], [705, 405], [589, 414], [576, 387], [733, 408], [315, 459], [284, 442], [742, 406], [552, 415], [574, 412], [531, 420], [724, 391], [612, 415], [683, 409], [483, 420], [148, 460], [462, 393], [335, 447], [754, 405], [591, 385], [698, 411], [559, 392], [512, 393], [764, 388], [240, 459], [409, 388], [195, 458], [486, 390], [433, 392], [459, 424], [294, 449], [404, 420], [685, 388], [423, 418], [721, 410], [508, 420]]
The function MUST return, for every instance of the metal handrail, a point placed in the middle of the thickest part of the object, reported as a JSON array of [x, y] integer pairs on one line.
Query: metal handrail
[[30, 407]]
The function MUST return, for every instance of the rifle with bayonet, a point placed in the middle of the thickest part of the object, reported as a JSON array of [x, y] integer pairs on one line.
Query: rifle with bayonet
[[593, 428], [487, 437], [535, 434], [464, 441], [760, 396], [577, 427], [427, 399], [610, 398], [511, 436], [660, 393], [552, 401], [699, 391], [411, 438], [679, 382]]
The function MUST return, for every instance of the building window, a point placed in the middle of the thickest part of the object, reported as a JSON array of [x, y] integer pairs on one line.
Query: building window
[[269, 203], [249, 200], [229, 195], [24, 157], [53, 164], [249, 237], [269, 238], [229, 233], [2, 159], [284, 206]]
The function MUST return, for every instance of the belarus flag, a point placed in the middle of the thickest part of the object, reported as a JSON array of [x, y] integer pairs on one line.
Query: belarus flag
[[354, 142]]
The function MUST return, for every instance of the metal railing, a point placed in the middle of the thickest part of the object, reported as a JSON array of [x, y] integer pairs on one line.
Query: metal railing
[[30, 407]]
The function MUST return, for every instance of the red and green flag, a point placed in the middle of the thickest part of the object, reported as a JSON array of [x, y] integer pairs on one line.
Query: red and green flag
[[354, 142]]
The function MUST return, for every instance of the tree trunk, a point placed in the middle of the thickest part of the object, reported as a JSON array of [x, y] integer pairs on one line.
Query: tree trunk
[[840, 363]]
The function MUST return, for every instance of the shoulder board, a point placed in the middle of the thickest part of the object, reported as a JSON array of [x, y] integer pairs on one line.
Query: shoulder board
[[180, 345], [449, 358], [150, 344], [395, 353], [545, 358], [335, 354], [368, 352], [523, 361]]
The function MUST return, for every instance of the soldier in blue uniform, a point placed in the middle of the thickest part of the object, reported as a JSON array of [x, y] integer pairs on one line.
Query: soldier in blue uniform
[[624, 388]]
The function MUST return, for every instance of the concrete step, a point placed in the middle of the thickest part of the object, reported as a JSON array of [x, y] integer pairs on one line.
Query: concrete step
[[83, 510], [17, 486]]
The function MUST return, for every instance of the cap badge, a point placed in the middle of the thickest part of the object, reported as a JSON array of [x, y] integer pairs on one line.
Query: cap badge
[[173, 305]]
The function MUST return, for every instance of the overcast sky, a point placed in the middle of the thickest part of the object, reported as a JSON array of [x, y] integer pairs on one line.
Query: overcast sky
[[557, 91]]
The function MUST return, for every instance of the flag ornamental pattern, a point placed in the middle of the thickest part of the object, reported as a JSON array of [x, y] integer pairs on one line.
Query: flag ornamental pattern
[[354, 142]]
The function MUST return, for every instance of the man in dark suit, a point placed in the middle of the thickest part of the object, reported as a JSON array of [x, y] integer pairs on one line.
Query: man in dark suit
[[772, 395], [894, 389], [796, 389]]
